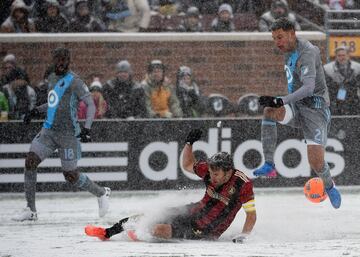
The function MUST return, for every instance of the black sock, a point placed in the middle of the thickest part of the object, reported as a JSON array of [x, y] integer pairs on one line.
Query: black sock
[[116, 228]]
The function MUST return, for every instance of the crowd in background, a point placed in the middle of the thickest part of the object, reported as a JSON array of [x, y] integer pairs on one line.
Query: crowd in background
[[55, 16], [156, 96]]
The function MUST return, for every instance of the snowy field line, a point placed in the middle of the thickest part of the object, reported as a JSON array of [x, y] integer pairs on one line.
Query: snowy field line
[[287, 225]]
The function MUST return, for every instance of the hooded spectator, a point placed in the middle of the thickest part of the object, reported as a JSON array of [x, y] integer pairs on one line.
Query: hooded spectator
[[100, 103], [192, 103], [21, 96], [10, 67], [83, 20], [160, 96], [18, 21], [224, 20], [279, 9], [52, 21], [191, 22], [67, 8]]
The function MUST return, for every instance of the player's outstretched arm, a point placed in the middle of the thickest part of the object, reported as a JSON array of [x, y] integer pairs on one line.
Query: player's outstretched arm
[[189, 160], [247, 228], [250, 221]]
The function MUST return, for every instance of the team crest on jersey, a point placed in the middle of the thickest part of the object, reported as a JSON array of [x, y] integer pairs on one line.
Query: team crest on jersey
[[231, 190], [289, 75], [53, 98], [197, 232], [304, 70], [213, 194]]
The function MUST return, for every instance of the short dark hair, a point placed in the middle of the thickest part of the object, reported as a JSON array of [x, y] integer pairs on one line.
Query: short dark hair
[[61, 52], [282, 23], [221, 160]]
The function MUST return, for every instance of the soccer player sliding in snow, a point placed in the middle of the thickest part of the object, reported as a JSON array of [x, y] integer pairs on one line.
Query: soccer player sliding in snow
[[306, 106], [227, 190]]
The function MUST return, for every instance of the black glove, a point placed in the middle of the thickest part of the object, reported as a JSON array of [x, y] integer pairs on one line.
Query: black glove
[[270, 101], [34, 113], [85, 135], [193, 136]]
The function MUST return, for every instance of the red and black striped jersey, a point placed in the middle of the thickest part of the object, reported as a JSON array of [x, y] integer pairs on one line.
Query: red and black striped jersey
[[219, 206]]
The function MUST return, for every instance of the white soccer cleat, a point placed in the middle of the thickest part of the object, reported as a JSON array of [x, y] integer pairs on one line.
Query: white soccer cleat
[[25, 214], [104, 202]]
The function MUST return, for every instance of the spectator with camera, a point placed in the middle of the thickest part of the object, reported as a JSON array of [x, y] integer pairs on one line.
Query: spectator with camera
[[343, 80], [192, 102]]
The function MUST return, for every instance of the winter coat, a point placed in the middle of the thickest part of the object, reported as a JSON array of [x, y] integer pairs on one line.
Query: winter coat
[[48, 24], [344, 88], [125, 99], [138, 17], [192, 102], [100, 105], [268, 18], [220, 26], [161, 100], [11, 25], [21, 98]]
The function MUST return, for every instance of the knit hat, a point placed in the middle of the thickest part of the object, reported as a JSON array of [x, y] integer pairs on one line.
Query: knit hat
[[10, 58], [123, 66], [226, 7], [192, 11], [96, 85]]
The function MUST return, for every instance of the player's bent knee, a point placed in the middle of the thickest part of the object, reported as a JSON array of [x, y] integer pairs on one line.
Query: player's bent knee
[[286, 115], [268, 112], [71, 176], [32, 161], [162, 231]]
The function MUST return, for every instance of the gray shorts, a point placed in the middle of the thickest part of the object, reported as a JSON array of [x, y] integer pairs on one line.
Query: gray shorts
[[47, 141], [314, 122]]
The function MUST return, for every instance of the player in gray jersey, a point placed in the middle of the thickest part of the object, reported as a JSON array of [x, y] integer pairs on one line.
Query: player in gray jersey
[[61, 131], [306, 106]]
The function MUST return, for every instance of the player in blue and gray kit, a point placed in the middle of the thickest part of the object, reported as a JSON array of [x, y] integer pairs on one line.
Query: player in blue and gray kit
[[61, 131], [306, 106]]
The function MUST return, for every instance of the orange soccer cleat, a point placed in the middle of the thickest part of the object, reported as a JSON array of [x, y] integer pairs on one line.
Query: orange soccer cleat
[[98, 232]]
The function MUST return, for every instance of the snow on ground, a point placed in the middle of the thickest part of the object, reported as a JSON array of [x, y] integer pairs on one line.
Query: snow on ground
[[287, 225]]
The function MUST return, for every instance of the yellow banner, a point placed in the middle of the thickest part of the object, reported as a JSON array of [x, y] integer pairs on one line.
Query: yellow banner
[[353, 43]]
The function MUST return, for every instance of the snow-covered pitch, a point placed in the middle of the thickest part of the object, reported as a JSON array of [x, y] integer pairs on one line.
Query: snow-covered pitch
[[287, 225]]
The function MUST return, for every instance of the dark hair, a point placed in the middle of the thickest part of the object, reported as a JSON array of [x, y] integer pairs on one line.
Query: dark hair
[[61, 52], [222, 160], [282, 23]]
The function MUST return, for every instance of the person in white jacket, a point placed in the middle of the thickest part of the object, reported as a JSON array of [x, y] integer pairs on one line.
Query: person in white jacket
[[134, 16]]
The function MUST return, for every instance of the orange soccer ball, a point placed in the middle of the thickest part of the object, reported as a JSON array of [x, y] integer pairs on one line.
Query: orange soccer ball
[[314, 190]]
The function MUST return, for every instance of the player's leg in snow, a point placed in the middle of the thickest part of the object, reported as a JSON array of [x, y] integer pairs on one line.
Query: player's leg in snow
[[105, 233], [331, 190], [83, 182], [268, 140], [30, 176]]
